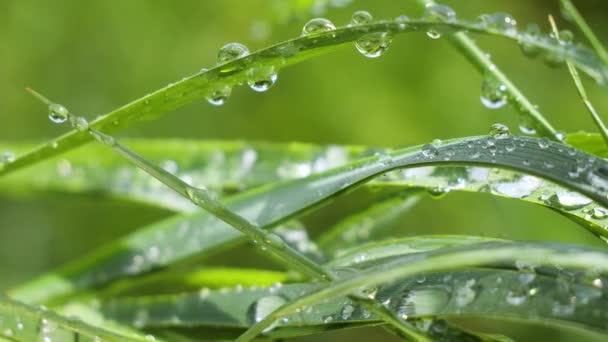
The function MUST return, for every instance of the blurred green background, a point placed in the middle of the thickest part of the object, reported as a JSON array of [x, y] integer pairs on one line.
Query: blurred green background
[[95, 56]]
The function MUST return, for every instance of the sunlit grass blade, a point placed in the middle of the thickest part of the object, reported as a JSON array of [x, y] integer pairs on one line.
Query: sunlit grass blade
[[558, 306], [230, 74], [570, 11], [197, 233], [589, 142], [368, 224], [21, 322]]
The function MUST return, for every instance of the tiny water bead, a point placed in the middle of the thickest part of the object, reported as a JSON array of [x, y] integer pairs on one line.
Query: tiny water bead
[[58, 113], [361, 17], [261, 78], [499, 131], [317, 25], [219, 96], [501, 22], [429, 151], [493, 93], [374, 45], [231, 51]]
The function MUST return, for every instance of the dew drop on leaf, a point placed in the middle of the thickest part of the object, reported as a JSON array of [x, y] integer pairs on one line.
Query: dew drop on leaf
[[361, 17], [231, 51], [374, 45], [525, 40], [440, 13], [219, 96], [58, 113], [429, 151], [347, 311], [261, 78], [499, 131], [317, 25], [264, 307], [502, 22], [493, 94]]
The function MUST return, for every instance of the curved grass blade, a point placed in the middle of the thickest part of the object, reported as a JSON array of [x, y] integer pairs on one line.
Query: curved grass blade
[[198, 233], [226, 164], [21, 322], [589, 261], [196, 87]]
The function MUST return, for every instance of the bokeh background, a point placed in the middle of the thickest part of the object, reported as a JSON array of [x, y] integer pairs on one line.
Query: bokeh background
[[95, 56]]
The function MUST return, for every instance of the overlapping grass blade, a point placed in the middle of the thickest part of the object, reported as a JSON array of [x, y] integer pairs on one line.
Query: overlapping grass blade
[[196, 87], [197, 233], [569, 260]]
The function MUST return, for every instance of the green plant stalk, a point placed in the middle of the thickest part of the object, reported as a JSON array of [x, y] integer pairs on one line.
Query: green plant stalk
[[290, 52], [481, 60], [581, 89], [571, 10], [267, 242], [441, 261]]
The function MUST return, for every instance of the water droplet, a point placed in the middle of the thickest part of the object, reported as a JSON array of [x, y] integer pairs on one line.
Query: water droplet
[[502, 22], [7, 157], [429, 151], [597, 282], [374, 45], [599, 213], [231, 51], [317, 25], [219, 96], [543, 142], [516, 297], [58, 113], [327, 318], [261, 78], [526, 125], [525, 40], [466, 294], [347, 311], [440, 13], [568, 200], [361, 17], [493, 93], [499, 131], [79, 123], [566, 37], [264, 307]]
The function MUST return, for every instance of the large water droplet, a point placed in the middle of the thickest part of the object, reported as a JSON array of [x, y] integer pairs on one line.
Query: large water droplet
[[219, 96], [544, 142], [568, 200], [525, 41], [264, 307], [499, 131], [526, 125], [58, 113], [502, 22], [79, 123], [441, 13], [493, 93], [231, 51], [317, 25], [261, 78], [361, 17], [374, 45]]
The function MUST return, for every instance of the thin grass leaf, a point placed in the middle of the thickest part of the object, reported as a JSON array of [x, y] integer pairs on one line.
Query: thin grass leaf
[[588, 261], [570, 12], [197, 234], [368, 224], [21, 322], [589, 142], [229, 74]]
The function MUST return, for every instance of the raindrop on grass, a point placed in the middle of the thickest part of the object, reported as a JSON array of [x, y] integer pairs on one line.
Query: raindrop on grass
[[231, 51], [361, 17], [493, 93], [58, 113], [599, 213], [261, 78], [531, 34], [317, 25], [79, 123], [499, 131], [374, 45], [219, 96], [526, 125], [429, 151], [568, 200], [543, 142], [264, 307], [441, 13], [502, 22], [7, 157]]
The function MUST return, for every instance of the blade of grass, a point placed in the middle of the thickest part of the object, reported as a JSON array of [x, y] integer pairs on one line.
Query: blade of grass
[[570, 10], [581, 89], [444, 259], [196, 87]]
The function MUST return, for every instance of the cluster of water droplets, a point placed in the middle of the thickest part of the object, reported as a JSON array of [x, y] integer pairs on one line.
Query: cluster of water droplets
[[438, 13]]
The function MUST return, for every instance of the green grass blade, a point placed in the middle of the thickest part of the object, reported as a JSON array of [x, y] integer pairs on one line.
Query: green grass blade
[[196, 87], [198, 233], [369, 223], [589, 142], [589, 261], [570, 10], [21, 322]]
